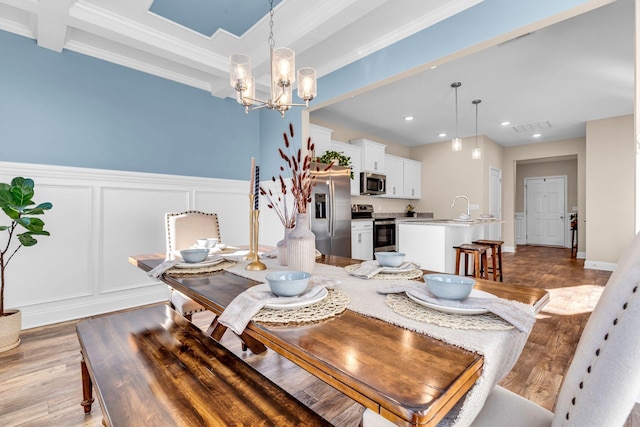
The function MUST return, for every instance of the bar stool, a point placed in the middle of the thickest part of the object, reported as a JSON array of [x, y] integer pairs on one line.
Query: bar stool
[[496, 256], [479, 253]]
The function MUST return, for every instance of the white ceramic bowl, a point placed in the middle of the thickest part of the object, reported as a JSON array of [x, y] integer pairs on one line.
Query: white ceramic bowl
[[288, 283], [194, 255], [390, 259], [209, 242], [464, 216], [449, 286]]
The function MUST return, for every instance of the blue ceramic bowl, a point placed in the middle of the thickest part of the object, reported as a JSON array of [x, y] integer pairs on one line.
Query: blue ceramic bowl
[[449, 286], [288, 283], [390, 259], [194, 255]]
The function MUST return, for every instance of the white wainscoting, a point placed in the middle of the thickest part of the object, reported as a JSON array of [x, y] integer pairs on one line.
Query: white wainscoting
[[100, 218]]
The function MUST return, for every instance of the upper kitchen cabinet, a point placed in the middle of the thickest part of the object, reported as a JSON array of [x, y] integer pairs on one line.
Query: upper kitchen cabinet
[[354, 154], [403, 177], [394, 170], [321, 137], [372, 155], [412, 179]]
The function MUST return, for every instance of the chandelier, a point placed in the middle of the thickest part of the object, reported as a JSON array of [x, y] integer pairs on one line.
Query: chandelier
[[282, 74]]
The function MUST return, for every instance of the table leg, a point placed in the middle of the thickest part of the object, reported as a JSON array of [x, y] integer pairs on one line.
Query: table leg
[[217, 330], [87, 387]]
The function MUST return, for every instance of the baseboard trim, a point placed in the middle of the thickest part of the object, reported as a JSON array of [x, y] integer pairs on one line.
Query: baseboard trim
[[33, 316], [508, 248], [599, 265]]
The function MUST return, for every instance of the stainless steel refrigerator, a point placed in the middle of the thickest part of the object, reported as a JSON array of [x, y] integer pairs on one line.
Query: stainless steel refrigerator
[[331, 214]]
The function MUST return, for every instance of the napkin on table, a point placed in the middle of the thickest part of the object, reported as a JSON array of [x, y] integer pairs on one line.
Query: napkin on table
[[511, 311], [161, 268], [367, 270], [241, 310]]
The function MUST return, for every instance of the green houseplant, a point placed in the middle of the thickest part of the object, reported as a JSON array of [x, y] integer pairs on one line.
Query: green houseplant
[[337, 158], [16, 201]]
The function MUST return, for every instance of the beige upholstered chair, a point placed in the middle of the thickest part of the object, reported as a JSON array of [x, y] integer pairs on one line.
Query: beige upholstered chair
[[603, 381], [183, 230]]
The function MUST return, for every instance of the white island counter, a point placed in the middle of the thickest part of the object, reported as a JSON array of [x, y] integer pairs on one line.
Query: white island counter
[[430, 242]]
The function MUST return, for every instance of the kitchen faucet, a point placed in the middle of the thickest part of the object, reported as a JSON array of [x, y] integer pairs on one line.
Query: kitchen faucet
[[461, 197]]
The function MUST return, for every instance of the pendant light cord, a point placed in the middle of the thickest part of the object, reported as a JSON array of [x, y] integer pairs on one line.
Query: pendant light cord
[[272, 42]]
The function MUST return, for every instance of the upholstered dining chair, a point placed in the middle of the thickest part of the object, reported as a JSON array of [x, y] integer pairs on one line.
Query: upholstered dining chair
[[602, 383], [183, 229]]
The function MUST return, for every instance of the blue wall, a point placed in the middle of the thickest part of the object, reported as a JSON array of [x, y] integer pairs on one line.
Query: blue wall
[[74, 110]]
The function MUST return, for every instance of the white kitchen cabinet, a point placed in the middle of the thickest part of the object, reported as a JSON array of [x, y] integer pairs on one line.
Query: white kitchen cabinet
[[354, 153], [394, 170], [362, 240], [372, 155], [321, 137], [412, 179]]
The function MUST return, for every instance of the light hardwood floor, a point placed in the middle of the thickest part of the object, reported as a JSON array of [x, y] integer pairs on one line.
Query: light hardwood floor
[[40, 379]]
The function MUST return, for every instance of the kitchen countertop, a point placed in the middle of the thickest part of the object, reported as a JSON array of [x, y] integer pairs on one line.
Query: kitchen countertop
[[447, 222]]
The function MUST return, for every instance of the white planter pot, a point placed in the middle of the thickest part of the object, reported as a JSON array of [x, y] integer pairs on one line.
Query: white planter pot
[[10, 326]]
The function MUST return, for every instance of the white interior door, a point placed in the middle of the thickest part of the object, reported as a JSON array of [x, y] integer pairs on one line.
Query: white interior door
[[495, 203], [545, 210]]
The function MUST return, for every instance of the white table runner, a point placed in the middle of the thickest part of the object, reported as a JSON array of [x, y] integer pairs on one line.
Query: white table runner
[[500, 349]]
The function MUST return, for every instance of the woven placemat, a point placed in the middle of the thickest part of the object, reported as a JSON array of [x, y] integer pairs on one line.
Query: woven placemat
[[404, 306], [411, 274], [184, 272], [335, 303]]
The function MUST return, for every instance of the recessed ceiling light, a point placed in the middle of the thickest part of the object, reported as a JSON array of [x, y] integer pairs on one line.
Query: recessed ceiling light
[[505, 123], [408, 118], [537, 135], [442, 135]]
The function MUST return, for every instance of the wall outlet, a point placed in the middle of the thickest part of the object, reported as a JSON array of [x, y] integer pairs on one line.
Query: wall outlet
[[574, 209], [473, 207]]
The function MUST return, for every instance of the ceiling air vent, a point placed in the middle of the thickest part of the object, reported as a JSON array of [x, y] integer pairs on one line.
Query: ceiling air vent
[[531, 127]]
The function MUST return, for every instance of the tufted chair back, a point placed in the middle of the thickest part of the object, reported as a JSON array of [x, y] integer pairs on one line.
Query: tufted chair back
[[185, 228], [603, 381]]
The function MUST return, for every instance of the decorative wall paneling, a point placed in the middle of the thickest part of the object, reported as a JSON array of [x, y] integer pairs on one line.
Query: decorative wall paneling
[[99, 218]]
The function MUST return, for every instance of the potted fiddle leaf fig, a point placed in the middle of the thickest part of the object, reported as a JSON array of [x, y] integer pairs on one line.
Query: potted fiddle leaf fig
[[17, 204]]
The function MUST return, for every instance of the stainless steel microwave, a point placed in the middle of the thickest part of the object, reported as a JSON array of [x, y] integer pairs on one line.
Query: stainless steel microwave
[[372, 184]]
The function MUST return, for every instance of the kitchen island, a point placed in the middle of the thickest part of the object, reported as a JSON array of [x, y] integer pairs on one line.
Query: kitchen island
[[430, 242]]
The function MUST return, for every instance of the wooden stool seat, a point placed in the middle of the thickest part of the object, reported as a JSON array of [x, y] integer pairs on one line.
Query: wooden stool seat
[[496, 256], [479, 253]]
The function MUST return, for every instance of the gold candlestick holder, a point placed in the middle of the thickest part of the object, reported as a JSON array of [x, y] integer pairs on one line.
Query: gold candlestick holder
[[255, 264]]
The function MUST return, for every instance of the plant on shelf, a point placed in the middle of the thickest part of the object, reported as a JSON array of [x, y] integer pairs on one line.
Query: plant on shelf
[[336, 158], [16, 201], [410, 209]]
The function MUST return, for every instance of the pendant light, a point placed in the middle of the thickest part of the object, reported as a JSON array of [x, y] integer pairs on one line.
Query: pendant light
[[456, 143], [476, 154]]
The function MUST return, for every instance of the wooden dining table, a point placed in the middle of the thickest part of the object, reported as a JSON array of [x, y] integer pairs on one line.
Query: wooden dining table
[[409, 378]]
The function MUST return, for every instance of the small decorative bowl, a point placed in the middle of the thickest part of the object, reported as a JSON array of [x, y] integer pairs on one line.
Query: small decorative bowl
[[209, 242], [288, 283], [449, 286], [194, 255], [390, 259]]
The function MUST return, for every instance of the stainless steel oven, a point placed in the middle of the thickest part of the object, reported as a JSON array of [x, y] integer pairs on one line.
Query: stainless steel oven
[[384, 235]]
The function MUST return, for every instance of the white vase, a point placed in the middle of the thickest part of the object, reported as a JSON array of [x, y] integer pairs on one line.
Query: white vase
[[282, 247], [301, 246], [10, 326]]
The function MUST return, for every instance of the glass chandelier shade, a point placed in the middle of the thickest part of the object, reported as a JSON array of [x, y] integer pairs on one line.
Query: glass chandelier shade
[[282, 78], [456, 143], [476, 154]]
